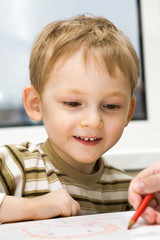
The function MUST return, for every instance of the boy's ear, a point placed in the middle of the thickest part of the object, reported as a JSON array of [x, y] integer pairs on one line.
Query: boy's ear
[[31, 103], [131, 109]]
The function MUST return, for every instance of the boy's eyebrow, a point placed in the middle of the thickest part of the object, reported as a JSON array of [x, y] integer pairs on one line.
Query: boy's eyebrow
[[77, 91], [117, 94], [111, 94]]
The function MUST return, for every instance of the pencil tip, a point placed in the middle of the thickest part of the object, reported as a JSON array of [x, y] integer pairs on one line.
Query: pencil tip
[[131, 223]]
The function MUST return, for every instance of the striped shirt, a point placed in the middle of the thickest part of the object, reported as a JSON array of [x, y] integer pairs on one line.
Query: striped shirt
[[29, 170]]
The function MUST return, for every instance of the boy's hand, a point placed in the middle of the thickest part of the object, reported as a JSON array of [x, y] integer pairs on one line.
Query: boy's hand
[[57, 203], [53, 204], [147, 181]]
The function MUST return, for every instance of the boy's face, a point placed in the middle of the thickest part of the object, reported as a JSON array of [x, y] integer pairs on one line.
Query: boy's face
[[85, 110]]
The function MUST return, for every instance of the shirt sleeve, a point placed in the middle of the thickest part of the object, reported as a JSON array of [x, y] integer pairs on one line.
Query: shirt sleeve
[[11, 174]]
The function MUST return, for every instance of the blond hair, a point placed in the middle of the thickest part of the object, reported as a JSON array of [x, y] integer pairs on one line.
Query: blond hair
[[62, 38]]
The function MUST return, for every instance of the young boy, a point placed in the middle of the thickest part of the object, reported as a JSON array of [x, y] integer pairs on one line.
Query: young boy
[[83, 75]]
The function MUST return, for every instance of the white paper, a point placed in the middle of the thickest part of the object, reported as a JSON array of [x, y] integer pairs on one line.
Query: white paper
[[90, 227]]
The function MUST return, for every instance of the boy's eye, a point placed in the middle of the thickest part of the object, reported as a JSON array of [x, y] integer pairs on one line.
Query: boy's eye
[[111, 106], [72, 104]]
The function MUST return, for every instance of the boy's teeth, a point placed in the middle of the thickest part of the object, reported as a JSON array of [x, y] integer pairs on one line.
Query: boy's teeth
[[88, 139], [92, 139]]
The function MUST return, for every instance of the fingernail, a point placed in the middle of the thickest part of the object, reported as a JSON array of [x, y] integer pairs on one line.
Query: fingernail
[[139, 186]]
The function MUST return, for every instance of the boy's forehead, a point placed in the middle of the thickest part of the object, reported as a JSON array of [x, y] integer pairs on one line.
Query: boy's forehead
[[75, 68], [85, 60]]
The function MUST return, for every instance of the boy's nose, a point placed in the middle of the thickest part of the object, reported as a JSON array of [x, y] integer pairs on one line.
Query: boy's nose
[[92, 121]]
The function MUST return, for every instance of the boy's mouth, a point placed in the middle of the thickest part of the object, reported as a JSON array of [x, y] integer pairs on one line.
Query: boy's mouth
[[88, 140]]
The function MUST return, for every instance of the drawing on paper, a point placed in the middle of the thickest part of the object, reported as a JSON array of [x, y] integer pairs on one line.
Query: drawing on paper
[[72, 230]]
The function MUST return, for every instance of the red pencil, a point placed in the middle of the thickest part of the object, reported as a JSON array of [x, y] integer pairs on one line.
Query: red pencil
[[140, 209]]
